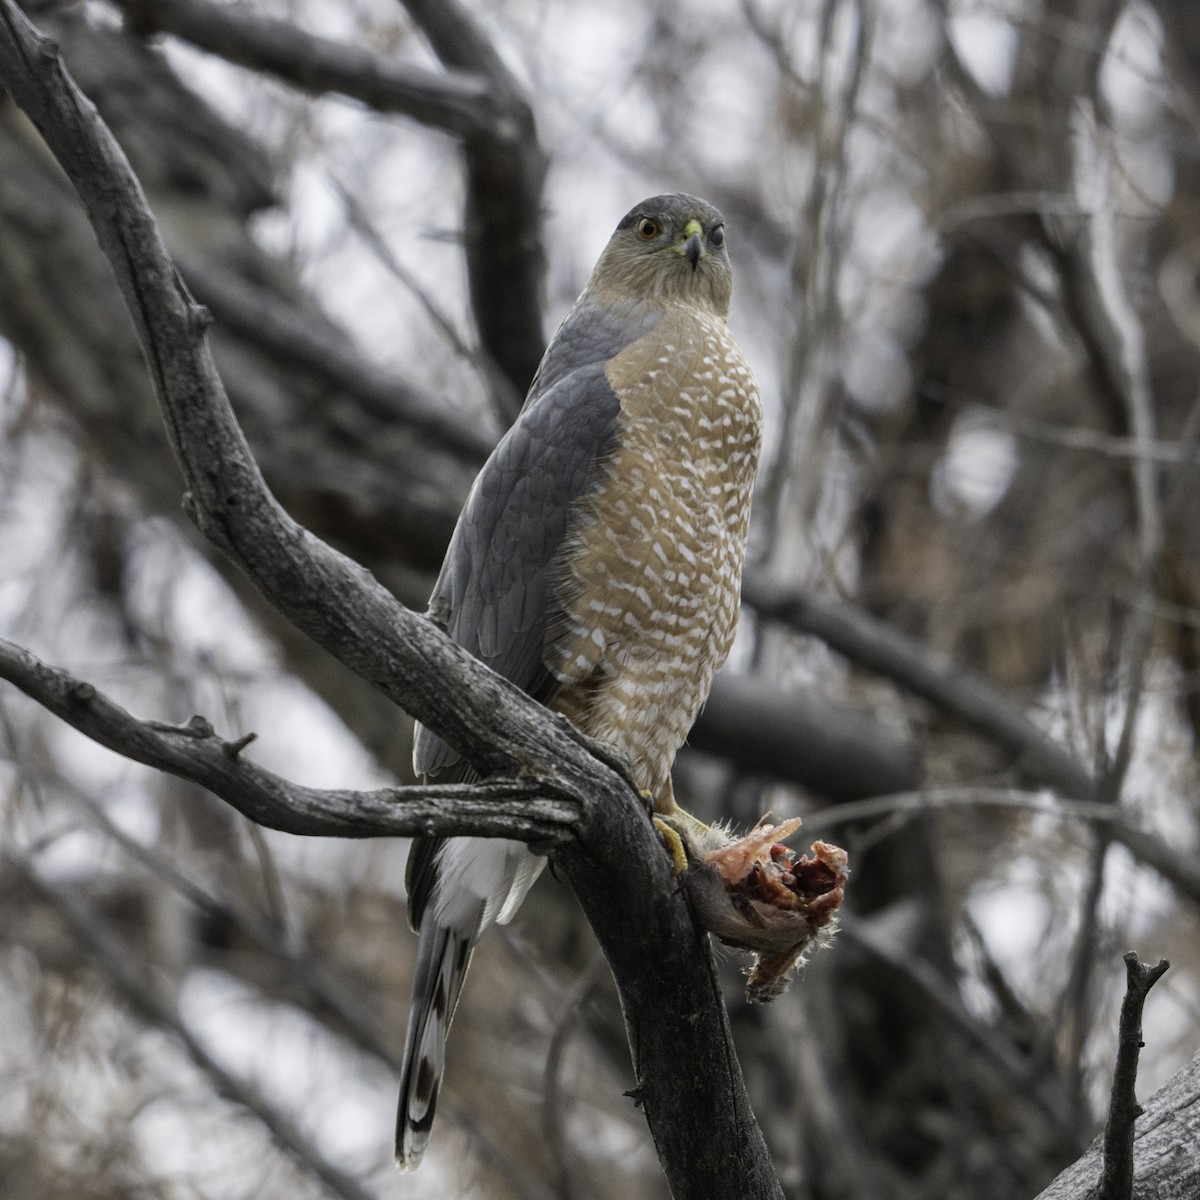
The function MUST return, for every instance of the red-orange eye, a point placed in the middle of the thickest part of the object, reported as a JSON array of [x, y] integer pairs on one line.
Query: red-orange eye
[[647, 229]]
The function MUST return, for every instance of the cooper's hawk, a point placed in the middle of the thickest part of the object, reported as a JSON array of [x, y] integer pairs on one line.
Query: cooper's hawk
[[597, 564]]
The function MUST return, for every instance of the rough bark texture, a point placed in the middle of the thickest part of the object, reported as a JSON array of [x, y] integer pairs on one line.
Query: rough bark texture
[[622, 878], [888, 1089], [360, 456], [1166, 1148]]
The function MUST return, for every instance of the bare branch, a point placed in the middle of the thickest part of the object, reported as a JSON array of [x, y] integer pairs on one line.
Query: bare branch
[[257, 314], [1096, 300], [360, 221], [1116, 1179], [1114, 333], [111, 958], [553, 1098], [505, 174], [1178, 868], [1164, 1162], [477, 98], [877, 646], [1167, 452], [510, 808], [765, 729], [455, 101], [401, 653], [675, 1017]]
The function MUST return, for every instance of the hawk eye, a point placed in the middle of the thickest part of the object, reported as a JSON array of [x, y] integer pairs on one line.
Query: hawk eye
[[647, 229], [717, 237]]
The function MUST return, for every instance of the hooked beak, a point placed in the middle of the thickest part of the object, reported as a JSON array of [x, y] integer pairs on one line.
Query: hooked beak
[[693, 248]]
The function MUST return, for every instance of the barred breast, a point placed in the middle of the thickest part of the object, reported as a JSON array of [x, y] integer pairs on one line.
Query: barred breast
[[649, 591]]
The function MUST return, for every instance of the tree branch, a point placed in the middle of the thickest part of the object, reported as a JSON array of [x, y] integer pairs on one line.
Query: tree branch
[[505, 173], [1165, 1163], [258, 315], [321, 591], [675, 1018], [111, 958], [1116, 1178], [877, 646], [764, 729], [1177, 867], [455, 101], [509, 808], [477, 99]]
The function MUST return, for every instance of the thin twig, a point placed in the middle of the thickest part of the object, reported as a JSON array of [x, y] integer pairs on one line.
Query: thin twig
[[1180, 451], [553, 1114], [1163, 1139], [506, 171], [809, 389], [1179, 868], [495, 379], [1110, 328], [257, 315], [111, 958], [1116, 1177]]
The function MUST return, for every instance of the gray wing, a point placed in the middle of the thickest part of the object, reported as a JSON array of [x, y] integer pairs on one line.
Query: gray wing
[[493, 593]]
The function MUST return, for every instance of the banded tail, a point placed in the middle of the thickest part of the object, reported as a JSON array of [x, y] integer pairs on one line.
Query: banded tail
[[443, 956]]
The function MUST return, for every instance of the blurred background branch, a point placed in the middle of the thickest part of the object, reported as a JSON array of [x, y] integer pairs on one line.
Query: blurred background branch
[[966, 243]]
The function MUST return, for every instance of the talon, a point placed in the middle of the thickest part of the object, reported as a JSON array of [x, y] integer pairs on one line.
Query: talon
[[674, 844]]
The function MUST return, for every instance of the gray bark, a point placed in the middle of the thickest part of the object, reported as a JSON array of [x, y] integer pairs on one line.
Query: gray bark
[[362, 457], [1166, 1148], [678, 1030]]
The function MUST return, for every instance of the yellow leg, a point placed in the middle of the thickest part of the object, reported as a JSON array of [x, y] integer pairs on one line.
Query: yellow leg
[[674, 844], [699, 839]]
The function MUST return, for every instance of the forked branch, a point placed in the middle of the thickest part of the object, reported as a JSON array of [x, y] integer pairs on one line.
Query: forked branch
[[689, 1081]]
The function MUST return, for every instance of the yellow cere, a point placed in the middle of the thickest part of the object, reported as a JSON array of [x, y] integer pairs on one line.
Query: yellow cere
[[693, 226]]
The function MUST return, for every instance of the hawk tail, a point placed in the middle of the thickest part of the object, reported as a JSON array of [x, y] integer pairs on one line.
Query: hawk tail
[[443, 956]]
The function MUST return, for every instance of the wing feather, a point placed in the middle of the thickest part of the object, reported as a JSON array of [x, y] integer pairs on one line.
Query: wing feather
[[493, 593], [494, 588]]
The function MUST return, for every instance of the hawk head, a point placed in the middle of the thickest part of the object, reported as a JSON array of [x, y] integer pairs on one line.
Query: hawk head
[[669, 249]]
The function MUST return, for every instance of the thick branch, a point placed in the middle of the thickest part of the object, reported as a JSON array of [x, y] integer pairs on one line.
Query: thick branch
[[670, 994], [689, 1081], [455, 101], [509, 808], [321, 591], [1166, 1164], [768, 730], [477, 98], [505, 174]]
